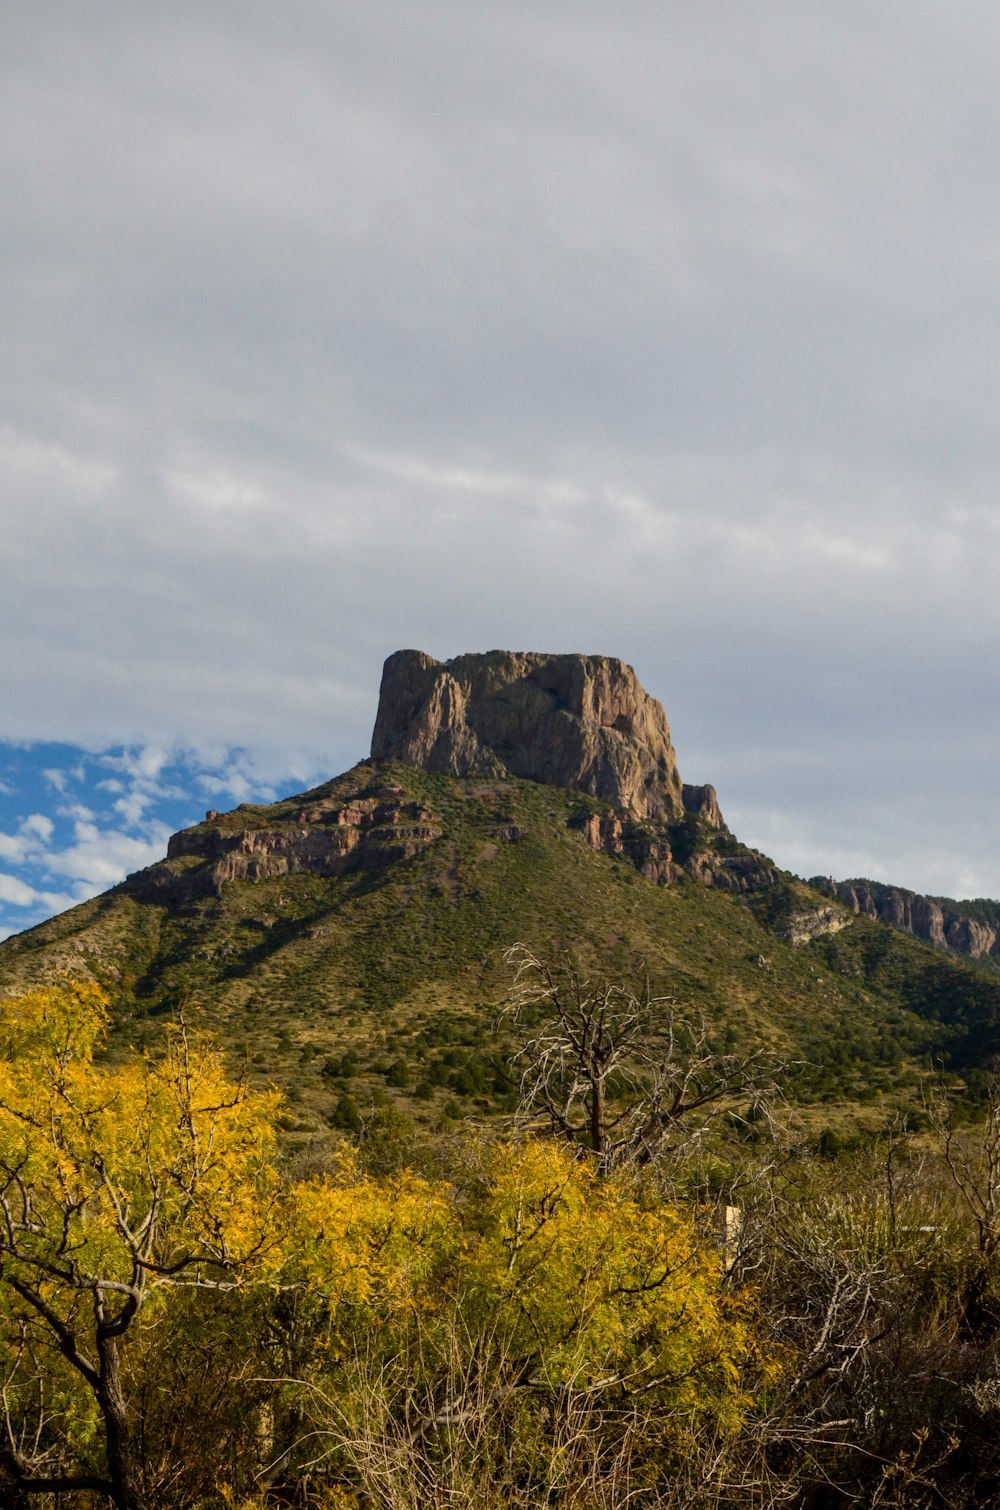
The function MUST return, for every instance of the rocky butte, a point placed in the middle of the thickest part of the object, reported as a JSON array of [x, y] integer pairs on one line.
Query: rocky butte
[[576, 721], [579, 722]]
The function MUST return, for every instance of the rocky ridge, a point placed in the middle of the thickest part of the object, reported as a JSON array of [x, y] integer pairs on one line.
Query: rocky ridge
[[947, 924], [324, 835]]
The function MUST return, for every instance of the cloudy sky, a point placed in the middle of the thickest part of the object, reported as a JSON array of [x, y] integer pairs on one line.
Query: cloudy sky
[[660, 330]]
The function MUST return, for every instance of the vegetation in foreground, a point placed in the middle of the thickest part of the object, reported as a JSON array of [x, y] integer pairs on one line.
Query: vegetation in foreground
[[709, 1316]]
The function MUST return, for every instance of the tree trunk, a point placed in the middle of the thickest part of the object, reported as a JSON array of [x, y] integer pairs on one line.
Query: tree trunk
[[127, 1492], [598, 1109]]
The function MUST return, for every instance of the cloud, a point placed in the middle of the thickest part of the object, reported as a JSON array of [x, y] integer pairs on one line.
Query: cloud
[[30, 840], [142, 765], [99, 858], [33, 458], [133, 807], [17, 893], [666, 334], [39, 825], [76, 810], [234, 783]]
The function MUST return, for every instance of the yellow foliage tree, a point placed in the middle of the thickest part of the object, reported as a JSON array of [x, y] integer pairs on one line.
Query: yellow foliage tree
[[117, 1185], [504, 1332], [409, 1337], [600, 1290]]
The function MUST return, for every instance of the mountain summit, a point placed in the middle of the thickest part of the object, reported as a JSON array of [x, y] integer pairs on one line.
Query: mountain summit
[[580, 722], [348, 942]]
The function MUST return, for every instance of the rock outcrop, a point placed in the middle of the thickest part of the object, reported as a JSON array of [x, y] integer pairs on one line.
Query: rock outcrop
[[938, 922], [575, 721], [813, 923], [704, 804], [324, 837], [649, 852]]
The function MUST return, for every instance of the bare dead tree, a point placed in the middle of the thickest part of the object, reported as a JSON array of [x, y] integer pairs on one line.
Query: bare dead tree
[[620, 1071]]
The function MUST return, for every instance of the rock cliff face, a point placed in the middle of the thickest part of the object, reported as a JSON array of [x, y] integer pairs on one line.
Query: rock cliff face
[[326, 837], [909, 912], [575, 721], [649, 853]]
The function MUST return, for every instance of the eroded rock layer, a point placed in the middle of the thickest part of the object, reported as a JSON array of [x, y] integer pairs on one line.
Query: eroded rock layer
[[324, 837]]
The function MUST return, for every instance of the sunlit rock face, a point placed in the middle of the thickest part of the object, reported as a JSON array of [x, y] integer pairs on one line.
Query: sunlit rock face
[[576, 721], [320, 834]]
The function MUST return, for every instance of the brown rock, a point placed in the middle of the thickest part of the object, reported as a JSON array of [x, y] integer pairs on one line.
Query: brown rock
[[648, 852], [704, 804], [909, 912], [927, 920], [361, 835], [575, 721], [971, 937]]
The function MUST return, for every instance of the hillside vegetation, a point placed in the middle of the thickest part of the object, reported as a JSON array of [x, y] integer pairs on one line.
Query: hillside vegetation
[[472, 1142], [379, 986]]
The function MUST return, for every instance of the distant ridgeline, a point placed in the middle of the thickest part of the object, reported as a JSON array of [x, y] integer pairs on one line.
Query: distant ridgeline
[[971, 927], [348, 941]]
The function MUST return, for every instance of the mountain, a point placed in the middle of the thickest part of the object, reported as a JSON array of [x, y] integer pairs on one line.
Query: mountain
[[348, 941]]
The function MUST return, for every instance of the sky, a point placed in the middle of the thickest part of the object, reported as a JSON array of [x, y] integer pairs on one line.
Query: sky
[[656, 330]]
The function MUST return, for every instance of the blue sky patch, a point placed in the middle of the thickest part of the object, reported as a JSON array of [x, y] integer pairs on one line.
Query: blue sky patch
[[74, 822]]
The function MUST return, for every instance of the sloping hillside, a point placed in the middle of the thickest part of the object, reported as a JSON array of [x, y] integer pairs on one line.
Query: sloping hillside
[[349, 941]]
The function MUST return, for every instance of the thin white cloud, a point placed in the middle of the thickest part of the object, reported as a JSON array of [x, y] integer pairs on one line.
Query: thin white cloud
[[77, 811], [217, 489], [34, 833], [144, 764], [101, 857], [38, 824], [29, 455], [133, 807], [18, 893]]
